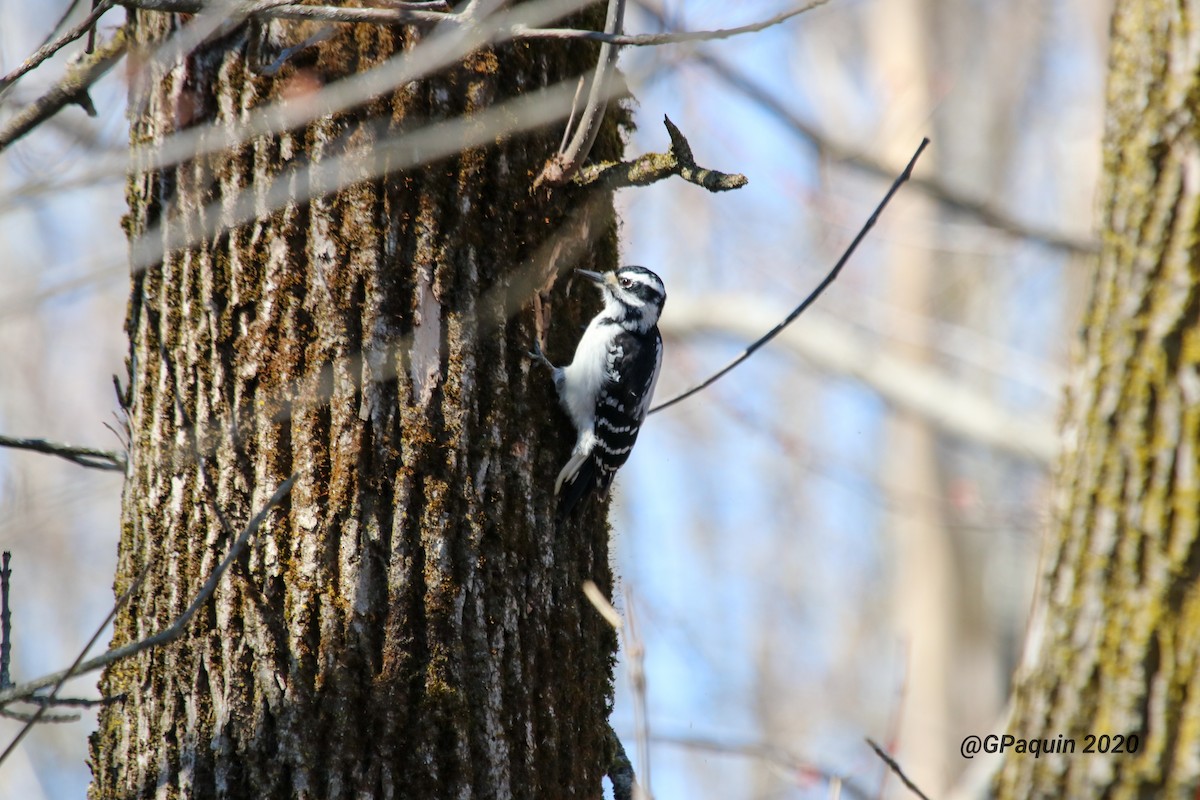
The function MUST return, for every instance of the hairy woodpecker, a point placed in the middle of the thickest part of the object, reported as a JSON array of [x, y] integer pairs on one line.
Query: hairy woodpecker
[[606, 389]]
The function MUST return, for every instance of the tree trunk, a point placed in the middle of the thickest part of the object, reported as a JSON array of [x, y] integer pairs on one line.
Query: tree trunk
[[409, 624], [1115, 645]]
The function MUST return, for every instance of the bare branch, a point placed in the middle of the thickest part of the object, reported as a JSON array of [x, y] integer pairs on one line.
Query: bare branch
[[563, 166], [38, 716], [49, 699], [891, 762], [50, 48], [62, 21], [417, 5], [812, 297], [5, 622], [74, 129], [654, 167], [77, 702], [44, 701], [653, 39], [393, 14], [72, 88], [936, 189], [83, 456], [6, 662], [172, 631]]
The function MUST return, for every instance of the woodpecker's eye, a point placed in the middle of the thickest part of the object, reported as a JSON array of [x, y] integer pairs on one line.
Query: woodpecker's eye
[[626, 282]]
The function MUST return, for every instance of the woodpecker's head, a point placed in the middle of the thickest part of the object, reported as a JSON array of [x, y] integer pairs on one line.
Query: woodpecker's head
[[632, 295]]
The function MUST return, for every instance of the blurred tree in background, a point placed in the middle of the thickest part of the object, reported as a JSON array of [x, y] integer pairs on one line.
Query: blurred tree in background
[[836, 541], [1113, 660]]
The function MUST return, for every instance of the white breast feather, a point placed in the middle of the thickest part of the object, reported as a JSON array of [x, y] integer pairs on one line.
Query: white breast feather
[[584, 376]]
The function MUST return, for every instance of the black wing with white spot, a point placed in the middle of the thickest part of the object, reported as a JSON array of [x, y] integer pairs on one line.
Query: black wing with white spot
[[633, 362]]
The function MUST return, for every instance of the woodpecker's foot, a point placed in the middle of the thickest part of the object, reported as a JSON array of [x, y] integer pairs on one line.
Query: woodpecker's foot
[[537, 355]]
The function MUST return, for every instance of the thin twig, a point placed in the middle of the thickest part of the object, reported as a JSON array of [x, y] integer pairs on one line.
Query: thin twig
[[655, 39], [393, 14], [172, 631], [39, 717], [72, 88], [50, 48], [770, 753], [5, 622], [90, 47], [812, 297], [76, 702], [891, 762], [564, 164], [73, 669], [56, 702], [653, 167], [570, 126], [62, 21], [83, 456], [398, 13]]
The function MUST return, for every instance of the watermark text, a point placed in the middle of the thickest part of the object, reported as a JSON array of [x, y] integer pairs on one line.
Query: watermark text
[[1037, 747]]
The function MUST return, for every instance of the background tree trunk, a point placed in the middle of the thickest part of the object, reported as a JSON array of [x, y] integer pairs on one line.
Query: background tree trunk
[[1115, 642], [409, 623]]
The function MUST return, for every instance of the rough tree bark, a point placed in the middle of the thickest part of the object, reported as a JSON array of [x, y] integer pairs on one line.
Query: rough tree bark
[[1116, 649], [410, 623]]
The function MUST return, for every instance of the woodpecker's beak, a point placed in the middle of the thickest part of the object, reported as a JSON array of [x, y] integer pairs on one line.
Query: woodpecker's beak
[[594, 277]]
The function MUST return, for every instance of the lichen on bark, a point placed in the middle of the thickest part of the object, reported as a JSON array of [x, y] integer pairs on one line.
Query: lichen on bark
[[1117, 629]]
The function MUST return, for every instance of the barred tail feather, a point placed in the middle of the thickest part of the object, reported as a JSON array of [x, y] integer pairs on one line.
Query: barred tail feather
[[577, 487], [591, 476]]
